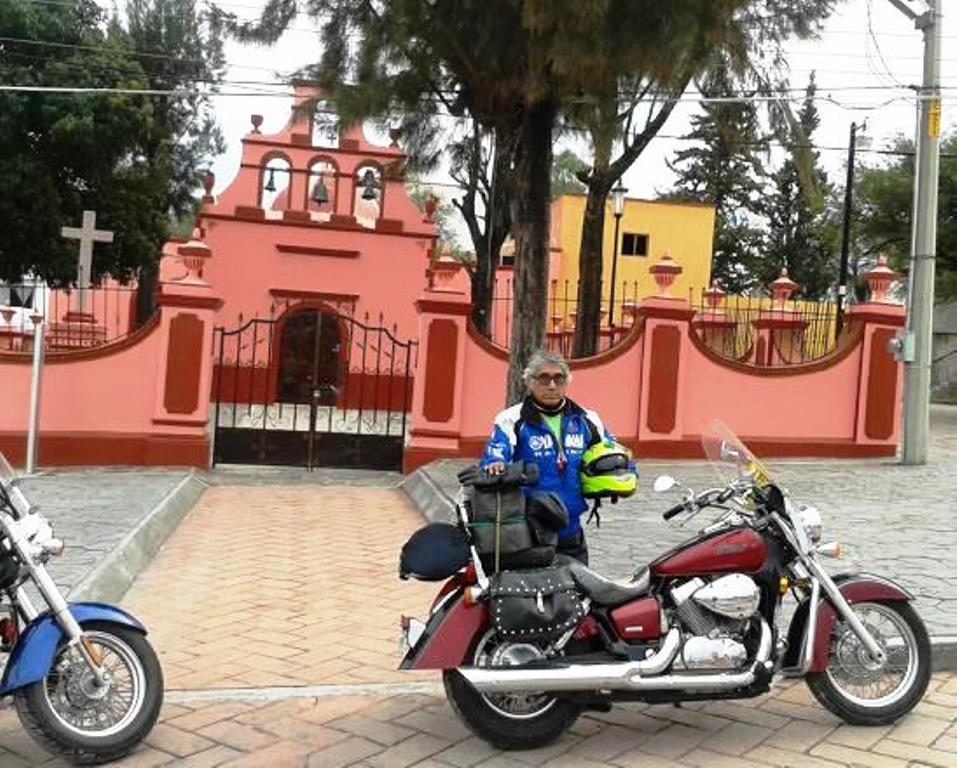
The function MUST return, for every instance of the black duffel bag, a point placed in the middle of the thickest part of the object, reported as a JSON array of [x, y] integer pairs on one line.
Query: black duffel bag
[[534, 605], [434, 552]]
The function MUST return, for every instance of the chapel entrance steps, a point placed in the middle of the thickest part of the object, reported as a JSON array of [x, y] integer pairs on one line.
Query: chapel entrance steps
[[311, 388]]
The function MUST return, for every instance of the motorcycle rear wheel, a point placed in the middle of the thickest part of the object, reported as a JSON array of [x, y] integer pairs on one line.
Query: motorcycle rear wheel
[[859, 692], [69, 716], [509, 722]]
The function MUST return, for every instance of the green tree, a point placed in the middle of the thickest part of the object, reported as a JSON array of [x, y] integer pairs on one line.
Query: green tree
[[801, 235], [565, 174], [883, 201], [724, 168], [133, 159], [627, 112]]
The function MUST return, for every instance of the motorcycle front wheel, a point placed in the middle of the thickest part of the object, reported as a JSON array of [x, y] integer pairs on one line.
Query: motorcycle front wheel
[[73, 717], [514, 720], [863, 692]]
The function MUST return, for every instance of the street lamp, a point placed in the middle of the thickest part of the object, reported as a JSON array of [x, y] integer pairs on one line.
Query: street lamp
[[855, 141], [618, 206]]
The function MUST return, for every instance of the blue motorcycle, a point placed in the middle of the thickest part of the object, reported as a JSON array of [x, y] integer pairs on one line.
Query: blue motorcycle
[[85, 681]]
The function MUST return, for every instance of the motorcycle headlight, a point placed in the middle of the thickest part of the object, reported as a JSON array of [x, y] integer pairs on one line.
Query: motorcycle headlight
[[813, 525]]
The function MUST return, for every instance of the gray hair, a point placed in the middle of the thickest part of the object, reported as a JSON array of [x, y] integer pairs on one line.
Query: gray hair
[[542, 357]]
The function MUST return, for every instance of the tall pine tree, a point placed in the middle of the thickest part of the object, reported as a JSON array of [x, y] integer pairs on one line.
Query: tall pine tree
[[724, 168], [801, 235]]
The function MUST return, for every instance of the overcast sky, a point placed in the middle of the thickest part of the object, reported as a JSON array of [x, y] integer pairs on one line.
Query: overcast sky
[[867, 45]]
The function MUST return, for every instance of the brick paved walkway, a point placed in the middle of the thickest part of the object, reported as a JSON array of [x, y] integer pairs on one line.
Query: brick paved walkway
[[294, 585]]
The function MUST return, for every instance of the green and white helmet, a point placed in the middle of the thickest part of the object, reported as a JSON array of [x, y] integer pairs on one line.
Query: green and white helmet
[[607, 471]]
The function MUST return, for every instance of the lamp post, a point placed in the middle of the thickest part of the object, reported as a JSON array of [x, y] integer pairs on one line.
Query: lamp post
[[618, 207], [855, 141]]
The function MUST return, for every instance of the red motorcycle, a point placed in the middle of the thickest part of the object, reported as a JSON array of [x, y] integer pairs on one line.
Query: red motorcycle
[[524, 653]]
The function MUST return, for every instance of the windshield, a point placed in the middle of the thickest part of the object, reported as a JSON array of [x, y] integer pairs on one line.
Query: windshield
[[7, 473], [730, 457]]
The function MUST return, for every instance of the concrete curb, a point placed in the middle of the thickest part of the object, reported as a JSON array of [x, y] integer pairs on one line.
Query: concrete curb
[[111, 578], [432, 502], [435, 505]]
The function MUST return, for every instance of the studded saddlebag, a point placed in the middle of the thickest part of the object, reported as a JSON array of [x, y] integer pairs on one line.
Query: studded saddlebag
[[535, 605]]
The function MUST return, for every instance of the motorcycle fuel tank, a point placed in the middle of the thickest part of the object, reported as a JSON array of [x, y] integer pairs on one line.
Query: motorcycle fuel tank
[[740, 549]]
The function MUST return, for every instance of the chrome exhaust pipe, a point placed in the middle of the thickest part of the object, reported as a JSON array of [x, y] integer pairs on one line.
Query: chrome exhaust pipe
[[624, 676]]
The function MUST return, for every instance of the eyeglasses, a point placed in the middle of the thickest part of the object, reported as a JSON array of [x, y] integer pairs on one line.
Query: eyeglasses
[[558, 379]]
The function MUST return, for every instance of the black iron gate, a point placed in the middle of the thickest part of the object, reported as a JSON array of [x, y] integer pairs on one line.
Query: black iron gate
[[312, 388]]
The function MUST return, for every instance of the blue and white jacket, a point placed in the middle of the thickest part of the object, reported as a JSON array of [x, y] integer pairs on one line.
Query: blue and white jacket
[[521, 434]]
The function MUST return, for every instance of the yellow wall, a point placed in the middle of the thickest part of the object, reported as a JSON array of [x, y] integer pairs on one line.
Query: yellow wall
[[682, 229]]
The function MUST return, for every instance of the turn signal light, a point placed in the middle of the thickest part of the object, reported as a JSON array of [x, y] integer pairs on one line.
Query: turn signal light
[[471, 595], [8, 633], [784, 584], [831, 549]]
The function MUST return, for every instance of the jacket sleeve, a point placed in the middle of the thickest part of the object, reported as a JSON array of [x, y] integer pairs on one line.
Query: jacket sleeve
[[501, 443]]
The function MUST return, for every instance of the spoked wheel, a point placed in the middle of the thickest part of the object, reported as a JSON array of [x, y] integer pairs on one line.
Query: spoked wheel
[[864, 692], [73, 716], [509, 720]]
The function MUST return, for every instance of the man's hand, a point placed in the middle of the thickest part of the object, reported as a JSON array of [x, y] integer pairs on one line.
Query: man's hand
[[495, 468]]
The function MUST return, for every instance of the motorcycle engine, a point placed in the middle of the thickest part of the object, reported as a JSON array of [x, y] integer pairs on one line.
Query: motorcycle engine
[[716, 615]]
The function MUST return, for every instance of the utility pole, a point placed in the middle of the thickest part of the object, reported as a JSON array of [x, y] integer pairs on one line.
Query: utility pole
[[915, 346], [845, 232]]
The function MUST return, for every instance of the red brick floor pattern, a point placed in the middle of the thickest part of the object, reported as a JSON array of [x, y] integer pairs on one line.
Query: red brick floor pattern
[[785, 728], [282, 586]]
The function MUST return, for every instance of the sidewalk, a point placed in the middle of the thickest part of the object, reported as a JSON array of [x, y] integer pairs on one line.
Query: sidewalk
[[94, 510], [893, 520]]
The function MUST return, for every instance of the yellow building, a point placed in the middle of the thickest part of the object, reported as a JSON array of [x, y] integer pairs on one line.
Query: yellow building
[[648, 229]]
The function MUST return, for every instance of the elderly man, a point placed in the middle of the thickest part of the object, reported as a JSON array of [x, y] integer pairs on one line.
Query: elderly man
[[551, 430]]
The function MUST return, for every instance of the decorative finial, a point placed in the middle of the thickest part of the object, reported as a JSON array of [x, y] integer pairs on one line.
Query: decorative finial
[[256, 120]]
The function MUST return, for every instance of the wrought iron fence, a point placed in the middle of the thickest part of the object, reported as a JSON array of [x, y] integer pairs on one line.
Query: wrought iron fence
[[762, 331], [562, 308], [105, 313]]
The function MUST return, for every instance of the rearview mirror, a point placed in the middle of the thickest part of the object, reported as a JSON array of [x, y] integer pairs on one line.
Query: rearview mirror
[[729, 453], [664, 483]]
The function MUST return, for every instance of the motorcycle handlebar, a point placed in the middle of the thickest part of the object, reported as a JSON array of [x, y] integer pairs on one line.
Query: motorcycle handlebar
[[677, 509]]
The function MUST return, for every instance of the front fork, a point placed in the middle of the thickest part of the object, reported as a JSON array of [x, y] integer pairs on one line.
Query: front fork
[[820, 580], [76, 638]]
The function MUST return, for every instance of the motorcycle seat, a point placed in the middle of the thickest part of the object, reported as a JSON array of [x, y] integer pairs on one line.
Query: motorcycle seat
[[607, 592]]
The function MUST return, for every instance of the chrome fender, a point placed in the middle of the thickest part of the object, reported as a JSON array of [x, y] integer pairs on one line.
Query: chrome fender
[[856, 588], [33, 654]]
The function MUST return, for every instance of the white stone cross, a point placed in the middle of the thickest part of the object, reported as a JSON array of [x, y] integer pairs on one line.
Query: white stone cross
[[87, 235]]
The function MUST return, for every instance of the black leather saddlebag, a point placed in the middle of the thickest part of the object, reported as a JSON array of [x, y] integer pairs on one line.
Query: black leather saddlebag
[[534, 605], [434, 553]]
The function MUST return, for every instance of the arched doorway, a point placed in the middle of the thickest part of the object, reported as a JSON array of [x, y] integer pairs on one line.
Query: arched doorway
[[310, 360]]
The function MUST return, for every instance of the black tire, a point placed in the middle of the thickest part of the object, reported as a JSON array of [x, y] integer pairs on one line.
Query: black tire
[[500, 730], [47, 727], [830, 695]]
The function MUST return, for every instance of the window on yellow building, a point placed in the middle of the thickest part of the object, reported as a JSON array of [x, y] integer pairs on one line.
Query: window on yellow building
[[634, 244]]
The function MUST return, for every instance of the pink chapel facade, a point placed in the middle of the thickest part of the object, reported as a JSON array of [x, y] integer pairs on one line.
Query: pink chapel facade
[[275, 247]]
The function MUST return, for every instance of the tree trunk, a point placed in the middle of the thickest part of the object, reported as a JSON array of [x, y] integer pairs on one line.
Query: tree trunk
[[497, 227], [590, 270], [146, 284], [530, 225], [593, 232]]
